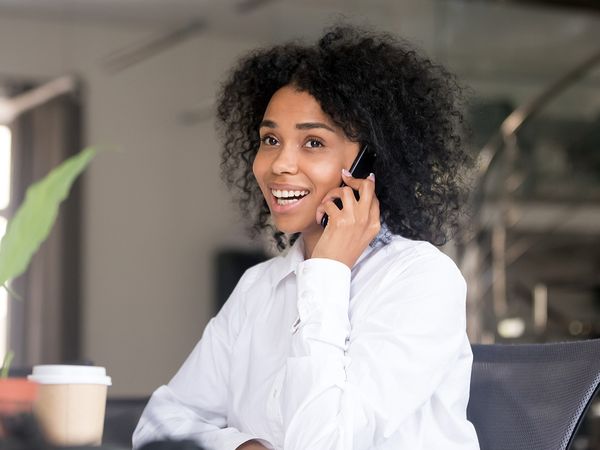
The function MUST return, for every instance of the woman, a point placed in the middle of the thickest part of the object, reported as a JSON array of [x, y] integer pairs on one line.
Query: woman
[[355, 338]]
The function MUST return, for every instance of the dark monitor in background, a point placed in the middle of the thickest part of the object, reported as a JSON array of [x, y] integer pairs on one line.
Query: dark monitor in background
[[230, 265]]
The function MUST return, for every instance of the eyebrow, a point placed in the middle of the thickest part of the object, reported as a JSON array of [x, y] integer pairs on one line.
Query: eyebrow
[[299, 126]]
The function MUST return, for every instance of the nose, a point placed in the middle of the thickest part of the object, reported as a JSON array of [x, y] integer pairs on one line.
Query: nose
[[286, 161]]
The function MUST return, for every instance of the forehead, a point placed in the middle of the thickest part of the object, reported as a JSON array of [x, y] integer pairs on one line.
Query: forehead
[[289, 103]]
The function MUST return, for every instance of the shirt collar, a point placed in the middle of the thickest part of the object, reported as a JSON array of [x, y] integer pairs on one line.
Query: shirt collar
[[289, 262], [295, 255], [383, 237]]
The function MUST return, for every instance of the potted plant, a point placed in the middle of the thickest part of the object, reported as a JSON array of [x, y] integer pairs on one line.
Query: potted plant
[[26, 231]]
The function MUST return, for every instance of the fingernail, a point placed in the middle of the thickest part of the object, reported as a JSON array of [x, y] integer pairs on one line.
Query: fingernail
[[346, 173], [372, 176]]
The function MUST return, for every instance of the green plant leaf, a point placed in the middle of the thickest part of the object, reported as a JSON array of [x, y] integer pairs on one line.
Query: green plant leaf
[[34, 219], [8, 357], [12, 293]]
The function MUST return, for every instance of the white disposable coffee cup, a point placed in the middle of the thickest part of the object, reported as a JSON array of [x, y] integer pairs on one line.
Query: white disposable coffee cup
[[71, 403]]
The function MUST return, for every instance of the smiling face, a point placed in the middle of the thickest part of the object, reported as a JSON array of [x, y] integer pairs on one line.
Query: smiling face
[[301, 155]]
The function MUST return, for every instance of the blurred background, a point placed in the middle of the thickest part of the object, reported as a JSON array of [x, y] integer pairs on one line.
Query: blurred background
[[149, 243]]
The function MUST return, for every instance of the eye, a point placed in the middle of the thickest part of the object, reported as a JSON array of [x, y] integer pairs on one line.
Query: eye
[[268, 140], [314, 143]]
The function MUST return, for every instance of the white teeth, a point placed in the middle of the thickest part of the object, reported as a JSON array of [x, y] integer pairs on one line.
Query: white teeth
[[281, 201], [285, 194]]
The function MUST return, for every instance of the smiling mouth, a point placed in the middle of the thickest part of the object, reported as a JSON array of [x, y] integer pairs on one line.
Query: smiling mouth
[[285, 197]]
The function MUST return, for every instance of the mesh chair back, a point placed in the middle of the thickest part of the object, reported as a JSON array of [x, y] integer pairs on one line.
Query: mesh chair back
[[120, 420], [532, 396]]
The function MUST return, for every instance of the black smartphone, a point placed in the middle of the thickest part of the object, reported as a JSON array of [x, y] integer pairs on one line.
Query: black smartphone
[[361, 168]]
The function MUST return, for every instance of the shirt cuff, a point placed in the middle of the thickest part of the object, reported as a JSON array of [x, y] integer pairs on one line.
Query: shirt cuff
[[323, 300]]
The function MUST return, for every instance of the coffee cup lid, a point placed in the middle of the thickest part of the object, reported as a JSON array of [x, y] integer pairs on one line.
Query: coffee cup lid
[[67, 374]]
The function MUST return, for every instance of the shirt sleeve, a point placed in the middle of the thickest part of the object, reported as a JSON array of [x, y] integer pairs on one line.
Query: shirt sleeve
[[352, 387], [194, 403]]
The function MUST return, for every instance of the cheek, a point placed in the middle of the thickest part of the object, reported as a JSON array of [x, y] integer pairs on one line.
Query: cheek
[[327, 175], [258, 168]]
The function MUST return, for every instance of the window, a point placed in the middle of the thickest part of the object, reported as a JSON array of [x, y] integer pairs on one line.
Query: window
[[5, 182]]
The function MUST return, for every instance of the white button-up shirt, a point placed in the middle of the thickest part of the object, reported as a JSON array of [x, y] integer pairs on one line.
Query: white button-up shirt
[[310, 355]]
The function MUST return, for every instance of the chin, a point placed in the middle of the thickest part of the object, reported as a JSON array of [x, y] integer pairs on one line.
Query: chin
[[290, 228]]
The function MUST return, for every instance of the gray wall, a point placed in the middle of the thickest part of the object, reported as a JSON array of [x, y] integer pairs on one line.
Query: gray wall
[[155, 208]]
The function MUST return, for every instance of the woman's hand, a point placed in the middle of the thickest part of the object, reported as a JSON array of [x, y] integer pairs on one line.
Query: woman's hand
[[352, 228], [251, 445]]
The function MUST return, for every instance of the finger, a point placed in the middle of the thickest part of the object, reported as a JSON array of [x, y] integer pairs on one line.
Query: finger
[[355, 183], [320, 213], [359, 184], [348, 198], [328, 206], [330, 209], [332, 195], [367, 194]]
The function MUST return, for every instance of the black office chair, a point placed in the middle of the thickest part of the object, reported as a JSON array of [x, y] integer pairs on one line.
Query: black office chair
[[120, 420], [532, 396]]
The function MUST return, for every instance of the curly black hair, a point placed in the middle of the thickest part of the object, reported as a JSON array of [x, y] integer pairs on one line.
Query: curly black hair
[[380, 91]]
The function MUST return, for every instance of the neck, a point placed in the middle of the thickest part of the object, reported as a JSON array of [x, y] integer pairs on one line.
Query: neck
[[310, 239]]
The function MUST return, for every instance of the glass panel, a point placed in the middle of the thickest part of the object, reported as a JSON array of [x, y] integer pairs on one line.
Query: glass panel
[[4, 166]]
